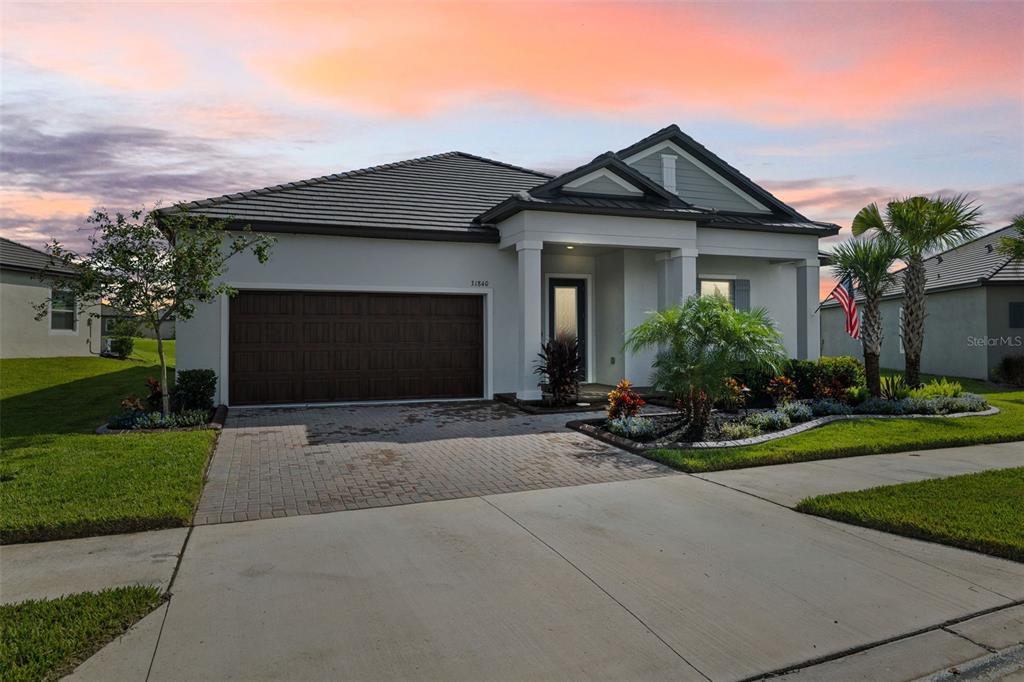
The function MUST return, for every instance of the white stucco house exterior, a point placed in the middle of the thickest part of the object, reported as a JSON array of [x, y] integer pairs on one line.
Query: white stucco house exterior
[[65, 331], [439, 277]]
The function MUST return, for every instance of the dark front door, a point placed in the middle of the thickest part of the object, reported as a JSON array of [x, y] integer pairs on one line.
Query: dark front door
[[310, 346], [567, 312]]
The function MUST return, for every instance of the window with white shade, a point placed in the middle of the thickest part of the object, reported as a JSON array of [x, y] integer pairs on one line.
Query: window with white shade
[[63, 312], [717, 287]]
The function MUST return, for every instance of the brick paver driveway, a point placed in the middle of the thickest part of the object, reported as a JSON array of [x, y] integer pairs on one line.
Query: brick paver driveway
[[285, 462]]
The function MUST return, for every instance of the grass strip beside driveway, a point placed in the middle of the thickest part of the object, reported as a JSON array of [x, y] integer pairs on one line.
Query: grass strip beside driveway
[[982, 512], [45, 639], [59, 480], [861, 437]]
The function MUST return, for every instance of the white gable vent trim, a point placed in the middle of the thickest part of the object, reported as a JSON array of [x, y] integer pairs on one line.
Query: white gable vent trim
[[668, 172]]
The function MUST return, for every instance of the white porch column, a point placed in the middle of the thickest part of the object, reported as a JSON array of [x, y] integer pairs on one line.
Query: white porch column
[[808, 320], [528, 256], [677, 276]]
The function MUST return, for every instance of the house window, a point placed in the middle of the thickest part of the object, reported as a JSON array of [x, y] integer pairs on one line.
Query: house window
[[1017, 315], [108, 324], [717, 287], [63, 315]]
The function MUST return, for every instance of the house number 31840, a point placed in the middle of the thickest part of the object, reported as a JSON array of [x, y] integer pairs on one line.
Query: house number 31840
[[480, 283]]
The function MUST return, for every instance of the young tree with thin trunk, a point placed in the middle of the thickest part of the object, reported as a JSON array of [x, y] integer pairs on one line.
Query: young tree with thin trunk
[[868, 262], [155, 266], [915, 227]]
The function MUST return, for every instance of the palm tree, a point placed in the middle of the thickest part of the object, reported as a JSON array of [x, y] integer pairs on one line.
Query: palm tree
[[915, 227], [702, 343], [1014, 246], [868, 262]]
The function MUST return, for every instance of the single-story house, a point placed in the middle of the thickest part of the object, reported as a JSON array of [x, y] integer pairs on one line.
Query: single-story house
[[440, 276], [974, 298], [109, 316], [66, 330]]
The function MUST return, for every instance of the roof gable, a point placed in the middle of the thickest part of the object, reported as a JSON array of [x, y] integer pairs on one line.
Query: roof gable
[[671, 137], [608, 167]]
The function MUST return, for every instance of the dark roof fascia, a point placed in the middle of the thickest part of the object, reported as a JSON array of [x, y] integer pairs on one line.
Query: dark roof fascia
[[38, 271], [608, 161], [931, 290], [514, 205], [487, 235], [709, 158], [819, 229]]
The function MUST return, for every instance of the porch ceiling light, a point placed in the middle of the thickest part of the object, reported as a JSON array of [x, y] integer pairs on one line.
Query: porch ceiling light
[[570, 247]]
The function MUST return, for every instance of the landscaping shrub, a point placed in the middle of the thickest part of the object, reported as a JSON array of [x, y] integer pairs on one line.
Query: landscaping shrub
[[1011, 370], [154, 398], [938, 388], [623, 401], [769, 421], [855, 395], [194, 389], [739, 430], [827, 407], [804, 374], [882, 405], [122, 346], [894, 387], [560, 363], [757, 380], [122, 333], [154, 420], [835, 375], [797, 412], [635, 428], [782, 389], [965, 402], [735, 396]]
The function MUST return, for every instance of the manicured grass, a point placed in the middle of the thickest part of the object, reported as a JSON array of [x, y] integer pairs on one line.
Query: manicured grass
[[46, 639], [59, 480], [983, 512], [861, 437]]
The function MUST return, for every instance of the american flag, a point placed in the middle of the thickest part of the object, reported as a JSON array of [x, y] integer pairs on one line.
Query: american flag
[[843, 293]]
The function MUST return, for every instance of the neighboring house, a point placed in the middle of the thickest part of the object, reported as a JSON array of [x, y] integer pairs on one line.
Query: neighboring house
[[439, 277], [975, 313], [109, 315], [65, 331]]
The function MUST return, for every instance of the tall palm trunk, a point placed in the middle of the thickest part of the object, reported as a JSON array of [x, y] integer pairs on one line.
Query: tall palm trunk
[[913, 317], [871, 338]]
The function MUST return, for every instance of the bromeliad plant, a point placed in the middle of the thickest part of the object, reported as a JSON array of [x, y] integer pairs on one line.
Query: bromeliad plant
[[701, 343], [560, 364]]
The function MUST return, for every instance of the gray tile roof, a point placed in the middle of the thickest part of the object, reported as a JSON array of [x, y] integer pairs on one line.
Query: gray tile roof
[[15, 256], [973, 263], [438, 194]]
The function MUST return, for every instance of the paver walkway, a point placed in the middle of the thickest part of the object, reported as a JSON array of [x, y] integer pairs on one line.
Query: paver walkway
[[293, 461]]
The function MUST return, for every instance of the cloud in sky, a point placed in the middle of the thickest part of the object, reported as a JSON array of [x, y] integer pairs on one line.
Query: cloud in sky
[[831, 104]]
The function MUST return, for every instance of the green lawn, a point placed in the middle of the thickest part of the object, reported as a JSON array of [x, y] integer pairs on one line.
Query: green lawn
[[983, 512], [46, 639], [865, 437], [59, 480]]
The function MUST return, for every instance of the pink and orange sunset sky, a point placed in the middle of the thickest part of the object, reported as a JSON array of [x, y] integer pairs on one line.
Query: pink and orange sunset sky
[[829, 105]]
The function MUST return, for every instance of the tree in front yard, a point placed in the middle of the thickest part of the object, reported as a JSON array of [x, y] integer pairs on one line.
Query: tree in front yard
[[869, 263], [917, 226], [701, 344], [156, 267]]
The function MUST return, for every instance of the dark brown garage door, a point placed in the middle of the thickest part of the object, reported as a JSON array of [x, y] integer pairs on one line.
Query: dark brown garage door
[[296, 347]]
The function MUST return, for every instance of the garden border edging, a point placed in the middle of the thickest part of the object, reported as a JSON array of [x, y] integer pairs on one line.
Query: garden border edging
[[589, 427]]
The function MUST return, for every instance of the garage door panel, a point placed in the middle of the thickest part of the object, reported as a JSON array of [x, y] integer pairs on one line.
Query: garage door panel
[[334, 346]]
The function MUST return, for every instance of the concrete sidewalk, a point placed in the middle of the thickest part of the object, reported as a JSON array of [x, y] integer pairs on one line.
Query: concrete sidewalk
[[40, 570], [787, 484], [645, 579]]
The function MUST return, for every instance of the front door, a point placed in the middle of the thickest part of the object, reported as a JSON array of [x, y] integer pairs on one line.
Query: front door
[[567, 313]]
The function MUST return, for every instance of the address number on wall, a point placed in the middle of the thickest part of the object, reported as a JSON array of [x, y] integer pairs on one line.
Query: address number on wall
[[480, 283]]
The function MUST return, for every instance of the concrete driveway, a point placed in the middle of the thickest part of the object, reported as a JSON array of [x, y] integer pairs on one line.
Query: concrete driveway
[[291, 461], [663, 578]]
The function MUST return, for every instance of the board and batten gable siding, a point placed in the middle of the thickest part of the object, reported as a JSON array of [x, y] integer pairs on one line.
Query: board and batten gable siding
[[693, 184]]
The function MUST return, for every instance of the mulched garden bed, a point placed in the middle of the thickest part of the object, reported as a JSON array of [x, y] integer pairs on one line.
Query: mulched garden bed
[[216, 422], [667, 437], [584, 404]]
